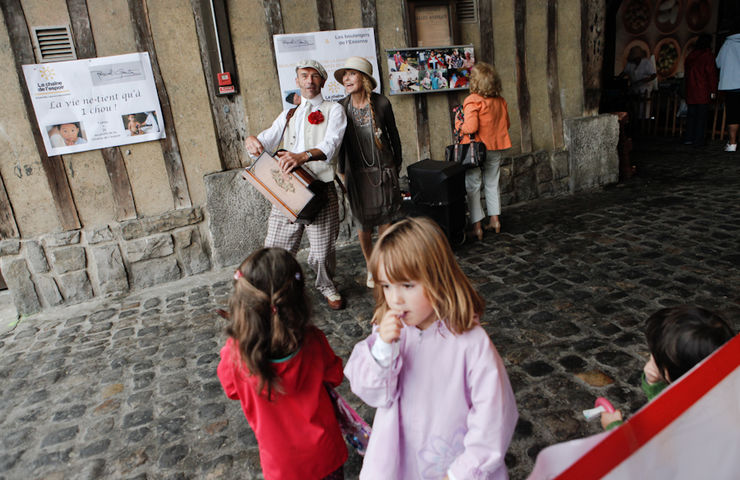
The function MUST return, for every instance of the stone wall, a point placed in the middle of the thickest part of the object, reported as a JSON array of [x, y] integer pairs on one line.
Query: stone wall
[[74, 266]]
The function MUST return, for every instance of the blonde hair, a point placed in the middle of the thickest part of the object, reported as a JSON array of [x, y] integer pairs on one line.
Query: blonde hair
[[416, 249], [485, 81], [367, 86], [269, 313]]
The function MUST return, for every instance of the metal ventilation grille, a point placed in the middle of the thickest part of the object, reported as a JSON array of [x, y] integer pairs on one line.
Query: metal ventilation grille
[[53, 44], [467, 11]]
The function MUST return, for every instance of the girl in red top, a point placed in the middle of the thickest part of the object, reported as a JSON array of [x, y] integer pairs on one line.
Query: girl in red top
[[276, 364], [486, 116]]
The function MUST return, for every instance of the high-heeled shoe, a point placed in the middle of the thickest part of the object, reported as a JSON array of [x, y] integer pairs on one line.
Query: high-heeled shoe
[[478, 232], [494, 226]]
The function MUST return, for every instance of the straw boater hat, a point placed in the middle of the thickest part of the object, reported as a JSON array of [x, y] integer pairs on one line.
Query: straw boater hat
[[356, 63], [308, 63]]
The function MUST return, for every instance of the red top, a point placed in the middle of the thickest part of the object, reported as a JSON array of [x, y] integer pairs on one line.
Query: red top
[[488, 118], [701, 76], [297, 432]]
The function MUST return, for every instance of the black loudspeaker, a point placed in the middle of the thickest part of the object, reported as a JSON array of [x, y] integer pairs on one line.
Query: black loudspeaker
[[438, 192], [433, 182], [450, 217]]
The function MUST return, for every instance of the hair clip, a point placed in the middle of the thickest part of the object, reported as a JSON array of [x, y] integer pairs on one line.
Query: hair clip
[[298, 275], [273, 308], [238, 274]]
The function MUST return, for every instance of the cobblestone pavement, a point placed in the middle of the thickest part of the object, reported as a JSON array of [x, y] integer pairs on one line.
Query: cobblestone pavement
[[127, 388]]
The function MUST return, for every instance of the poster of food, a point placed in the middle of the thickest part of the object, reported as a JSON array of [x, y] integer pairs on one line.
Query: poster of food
[[664, 29], [95, 103], [426, 70]]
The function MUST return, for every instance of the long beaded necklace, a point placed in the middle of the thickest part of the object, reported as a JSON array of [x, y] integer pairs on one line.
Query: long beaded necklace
[[360, 117]]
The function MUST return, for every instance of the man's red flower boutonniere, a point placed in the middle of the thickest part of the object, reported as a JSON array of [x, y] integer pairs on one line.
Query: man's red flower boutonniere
[[314, 118]]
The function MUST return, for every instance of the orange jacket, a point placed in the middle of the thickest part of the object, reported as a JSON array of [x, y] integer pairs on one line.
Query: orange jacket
[[488, 118]]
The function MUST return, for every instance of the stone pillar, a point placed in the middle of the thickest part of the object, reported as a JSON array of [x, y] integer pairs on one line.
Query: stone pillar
[[592, 144], [18, 278]]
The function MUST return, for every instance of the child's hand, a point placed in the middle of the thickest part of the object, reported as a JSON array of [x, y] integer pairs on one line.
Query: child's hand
[[390, 326], [607, 418], [652, 374]]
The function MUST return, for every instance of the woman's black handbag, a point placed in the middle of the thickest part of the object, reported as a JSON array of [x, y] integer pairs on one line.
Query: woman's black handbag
[[469, 155]]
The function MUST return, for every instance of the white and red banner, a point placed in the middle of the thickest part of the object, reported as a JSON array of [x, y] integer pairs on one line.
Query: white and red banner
[[690, 431]]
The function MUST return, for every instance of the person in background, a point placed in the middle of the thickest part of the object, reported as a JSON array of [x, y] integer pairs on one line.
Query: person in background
[[640, 71], [728, 62], [276, 364], [445, 407], [486, 116], [701, 86], [678, 338], [312, 138], [370, 157]]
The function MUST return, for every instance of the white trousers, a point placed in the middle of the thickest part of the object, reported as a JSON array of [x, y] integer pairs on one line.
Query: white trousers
[[490, 175]]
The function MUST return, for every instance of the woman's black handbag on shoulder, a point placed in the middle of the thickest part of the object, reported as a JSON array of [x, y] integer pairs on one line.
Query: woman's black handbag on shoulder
[[469, 155]]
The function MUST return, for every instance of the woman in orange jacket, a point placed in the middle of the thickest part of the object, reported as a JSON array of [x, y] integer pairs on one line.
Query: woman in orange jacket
[[486, 116]]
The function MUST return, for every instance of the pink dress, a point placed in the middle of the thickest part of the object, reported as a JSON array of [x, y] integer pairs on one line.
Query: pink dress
[[444, 404]]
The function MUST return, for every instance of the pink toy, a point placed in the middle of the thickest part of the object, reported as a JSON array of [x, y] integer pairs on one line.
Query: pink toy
[[603, 402]]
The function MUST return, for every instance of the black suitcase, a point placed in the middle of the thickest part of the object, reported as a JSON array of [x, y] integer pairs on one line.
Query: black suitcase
[[438, 192]]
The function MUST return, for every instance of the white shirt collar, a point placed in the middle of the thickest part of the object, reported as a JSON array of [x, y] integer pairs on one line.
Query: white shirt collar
[[315, 101]]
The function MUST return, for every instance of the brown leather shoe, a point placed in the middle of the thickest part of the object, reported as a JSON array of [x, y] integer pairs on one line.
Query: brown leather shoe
[[335, 301]]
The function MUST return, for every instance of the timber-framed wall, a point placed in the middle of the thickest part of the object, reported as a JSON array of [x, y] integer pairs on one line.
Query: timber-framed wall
[[106, 221]]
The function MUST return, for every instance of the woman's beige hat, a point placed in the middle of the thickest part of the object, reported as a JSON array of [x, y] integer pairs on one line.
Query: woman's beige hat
[[356, 63]]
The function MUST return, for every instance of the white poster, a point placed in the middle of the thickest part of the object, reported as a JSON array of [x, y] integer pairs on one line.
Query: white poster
[[330, 49], [95, 103]]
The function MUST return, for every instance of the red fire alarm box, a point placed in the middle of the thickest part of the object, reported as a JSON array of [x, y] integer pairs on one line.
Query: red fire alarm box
[[224, 78]]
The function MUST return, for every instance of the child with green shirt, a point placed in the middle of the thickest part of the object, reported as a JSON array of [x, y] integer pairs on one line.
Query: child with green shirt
[[678, 338]]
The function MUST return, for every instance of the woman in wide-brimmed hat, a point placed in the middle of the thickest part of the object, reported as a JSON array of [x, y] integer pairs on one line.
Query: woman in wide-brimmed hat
[[370, 158]]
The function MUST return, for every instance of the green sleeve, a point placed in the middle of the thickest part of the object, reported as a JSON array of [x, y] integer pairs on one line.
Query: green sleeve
[[652, 390], [614, 424]]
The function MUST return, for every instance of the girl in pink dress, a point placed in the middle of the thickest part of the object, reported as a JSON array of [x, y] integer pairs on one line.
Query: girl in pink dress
[[445, 407]]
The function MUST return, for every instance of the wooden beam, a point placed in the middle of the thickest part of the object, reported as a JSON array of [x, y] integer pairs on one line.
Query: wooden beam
[[139, 13], [523, 99], [227, 112], [592, 52], [369, 12], [274, 19], [553, 83], [326, 15], [8, 227], [56, 176], [123, 195], [423, 137], [485, 24]]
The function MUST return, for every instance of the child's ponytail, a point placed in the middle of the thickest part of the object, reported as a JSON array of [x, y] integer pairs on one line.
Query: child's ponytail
[[269, 312]]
